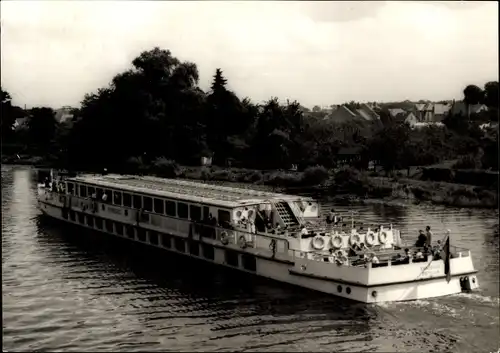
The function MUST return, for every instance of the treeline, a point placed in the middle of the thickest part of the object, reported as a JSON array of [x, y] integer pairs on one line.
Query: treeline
[[157, 112]]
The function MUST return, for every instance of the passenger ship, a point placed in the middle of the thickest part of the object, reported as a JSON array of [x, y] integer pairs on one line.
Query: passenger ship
[[226, 226]]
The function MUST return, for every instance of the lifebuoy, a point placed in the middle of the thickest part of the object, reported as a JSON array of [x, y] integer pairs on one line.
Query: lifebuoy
[[242, 242], [337, 241], [370, 238], [354, 239], [318, 242], [224, 239], [383, 238]]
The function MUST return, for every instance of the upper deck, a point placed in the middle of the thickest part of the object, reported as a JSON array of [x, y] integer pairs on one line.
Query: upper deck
[[193, 191]]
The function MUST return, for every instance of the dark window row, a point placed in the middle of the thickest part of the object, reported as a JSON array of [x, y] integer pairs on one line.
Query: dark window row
[[149, 204]]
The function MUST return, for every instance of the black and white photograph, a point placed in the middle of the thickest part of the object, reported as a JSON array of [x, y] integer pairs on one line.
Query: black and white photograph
[[250, 176]]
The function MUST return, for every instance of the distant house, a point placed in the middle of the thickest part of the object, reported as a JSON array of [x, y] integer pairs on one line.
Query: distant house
[[367, 113], [344, 114], [19, 123], [411, 119], [64, 114], [397, 113], [435, 112], [460, 108]]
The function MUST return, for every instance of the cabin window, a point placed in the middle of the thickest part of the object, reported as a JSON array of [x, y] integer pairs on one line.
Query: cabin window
[[72, 216], [159, 206], [232, 258], [91, 191], [119, 228], [194, 249], [166, 240], [90, 221], [137, 201], [182, 210], [153, 237], [208, 251], [249, 263], [109, 225], [180, 245], [224, 217], [127, 200], [141, 234], [170, 208], [98, 223], [83, 191], [71, 188], [99, 193], [117, 198], [148, 204], [81, 218], [129, 232], [195, 212]]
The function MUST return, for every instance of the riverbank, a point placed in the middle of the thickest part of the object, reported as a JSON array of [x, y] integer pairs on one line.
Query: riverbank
[[345, 185]]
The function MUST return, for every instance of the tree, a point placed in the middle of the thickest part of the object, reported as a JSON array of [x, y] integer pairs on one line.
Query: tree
[[491, 94], [472, 95], [316, 108], [219, 82], [42, 127]]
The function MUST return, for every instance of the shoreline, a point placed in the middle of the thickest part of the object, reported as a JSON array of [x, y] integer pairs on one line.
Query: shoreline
[[356, 187]]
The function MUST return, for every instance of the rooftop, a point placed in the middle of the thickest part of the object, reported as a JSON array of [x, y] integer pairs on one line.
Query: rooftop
[[185, 190]]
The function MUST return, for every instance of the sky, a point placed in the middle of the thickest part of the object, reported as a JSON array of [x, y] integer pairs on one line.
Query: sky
[[319, 53]]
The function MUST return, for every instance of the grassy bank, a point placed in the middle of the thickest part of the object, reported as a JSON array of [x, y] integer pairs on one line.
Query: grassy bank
[[346, 184]]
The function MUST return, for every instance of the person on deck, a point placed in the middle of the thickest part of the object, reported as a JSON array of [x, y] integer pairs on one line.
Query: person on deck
[[330, 217], [428, 233], [421, 240]]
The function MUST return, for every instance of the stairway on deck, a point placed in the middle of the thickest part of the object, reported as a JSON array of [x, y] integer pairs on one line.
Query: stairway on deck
[[286, 214]]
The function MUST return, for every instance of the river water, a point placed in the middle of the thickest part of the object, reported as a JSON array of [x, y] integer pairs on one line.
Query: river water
[[70, 290]]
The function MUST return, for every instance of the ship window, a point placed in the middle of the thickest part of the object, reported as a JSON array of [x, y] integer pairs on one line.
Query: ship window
[[249, 262], [119, 228], [137, 201], [148, 204], [208, 251], [127, 200], [98, 223], [182, 210], [141, 234], [158, 206], [117, 198], [232, 258], [90, 221], [109, 225], [194, 249], [166, 241], [71, 188], [91, 191], [72, 216], [81, 218], [130, 232], [99, 194], [153, 237], [170, 208], [180, 245], [83, 191], [195, 212], [224, 216]]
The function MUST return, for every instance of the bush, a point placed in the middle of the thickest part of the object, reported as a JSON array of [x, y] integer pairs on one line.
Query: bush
[[165, 168], [315, 175], [135, 165], [223, 175], [467, 162], [282, 179], [351, 179]]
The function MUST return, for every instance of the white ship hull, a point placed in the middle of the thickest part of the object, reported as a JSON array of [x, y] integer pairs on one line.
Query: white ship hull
[[369, 285]]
